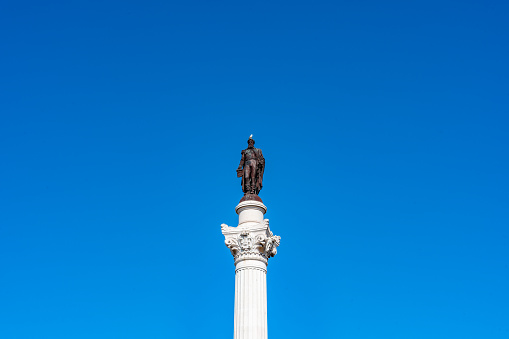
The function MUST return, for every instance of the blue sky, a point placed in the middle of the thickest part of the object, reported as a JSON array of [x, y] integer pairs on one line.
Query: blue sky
[[384, 128]]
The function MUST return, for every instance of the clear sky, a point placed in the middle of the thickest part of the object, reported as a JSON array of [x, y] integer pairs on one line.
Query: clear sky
[[384, 128]]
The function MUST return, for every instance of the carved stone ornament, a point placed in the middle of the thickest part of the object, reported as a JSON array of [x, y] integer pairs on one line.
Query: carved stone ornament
[[257, 242]]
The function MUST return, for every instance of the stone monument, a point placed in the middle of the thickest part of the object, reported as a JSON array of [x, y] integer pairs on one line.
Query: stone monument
[[251, 244]]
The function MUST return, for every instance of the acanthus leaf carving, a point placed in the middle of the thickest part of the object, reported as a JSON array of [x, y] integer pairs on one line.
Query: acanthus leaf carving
[[233, 245], [271, 244], [247, 244]]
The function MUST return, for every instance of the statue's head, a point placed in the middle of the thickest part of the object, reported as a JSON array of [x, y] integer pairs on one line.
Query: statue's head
[[250, 142]]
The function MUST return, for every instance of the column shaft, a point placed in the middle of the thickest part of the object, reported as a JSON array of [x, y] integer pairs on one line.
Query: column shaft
[[250, 319]]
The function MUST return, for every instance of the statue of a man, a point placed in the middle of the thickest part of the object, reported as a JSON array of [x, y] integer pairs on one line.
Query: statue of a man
[[251, 167]]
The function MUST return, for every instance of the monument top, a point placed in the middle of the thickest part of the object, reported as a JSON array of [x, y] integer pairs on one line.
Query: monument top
[[251, 168]]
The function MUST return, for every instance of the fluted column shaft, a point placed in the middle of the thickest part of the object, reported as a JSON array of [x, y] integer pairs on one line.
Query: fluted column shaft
[[250, 320]]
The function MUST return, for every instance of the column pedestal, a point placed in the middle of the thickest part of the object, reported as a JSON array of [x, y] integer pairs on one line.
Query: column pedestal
[[251, 244]]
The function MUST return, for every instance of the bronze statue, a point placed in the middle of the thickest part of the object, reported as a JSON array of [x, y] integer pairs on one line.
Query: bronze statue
[[251, 167]]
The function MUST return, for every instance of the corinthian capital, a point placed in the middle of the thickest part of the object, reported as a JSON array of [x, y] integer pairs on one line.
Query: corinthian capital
[[253, 242]]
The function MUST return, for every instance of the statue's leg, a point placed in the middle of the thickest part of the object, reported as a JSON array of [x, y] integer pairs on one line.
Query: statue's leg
[[247, 178], [253, 178]]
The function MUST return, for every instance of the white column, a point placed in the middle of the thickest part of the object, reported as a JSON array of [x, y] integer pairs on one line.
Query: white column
[[251, 244], [250, 304]]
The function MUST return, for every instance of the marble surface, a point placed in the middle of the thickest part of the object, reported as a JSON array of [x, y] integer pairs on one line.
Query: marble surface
[[251, 243]]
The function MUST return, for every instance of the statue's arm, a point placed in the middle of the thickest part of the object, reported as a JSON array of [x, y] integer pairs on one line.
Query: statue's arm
[[241, 160], [262, 159]]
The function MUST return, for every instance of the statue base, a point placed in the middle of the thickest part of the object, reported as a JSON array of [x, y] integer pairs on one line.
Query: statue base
[[254, 197]]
